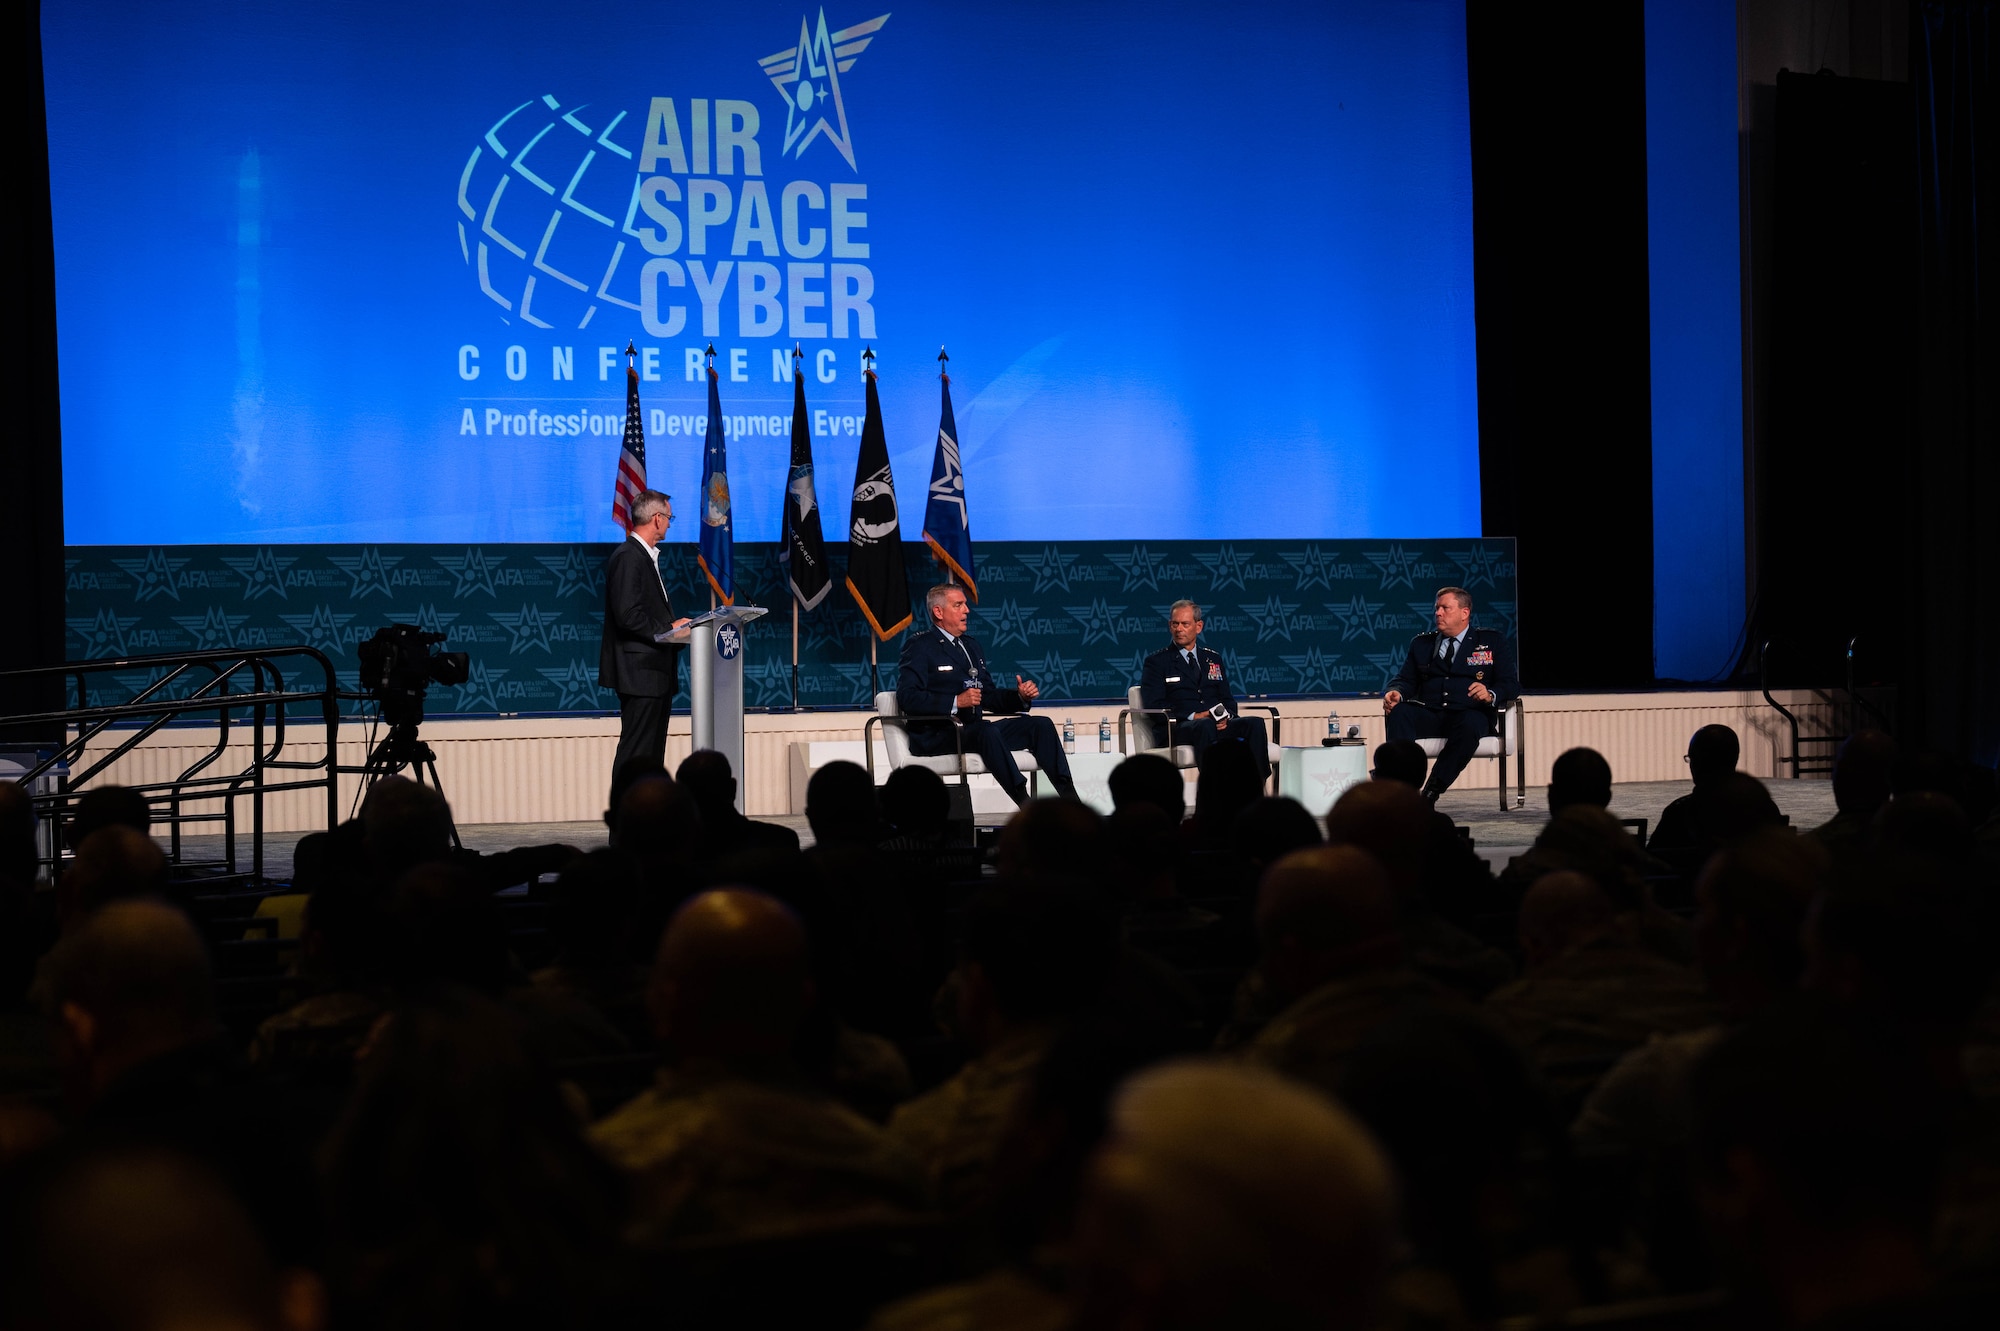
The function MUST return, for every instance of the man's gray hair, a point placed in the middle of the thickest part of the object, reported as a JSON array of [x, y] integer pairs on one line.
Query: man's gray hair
[[1184, 602], [1253, 1193], [935, 596], [1458, 594], [646, 505]]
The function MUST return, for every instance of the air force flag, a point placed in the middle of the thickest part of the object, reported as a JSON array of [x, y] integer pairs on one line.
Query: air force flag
[[947, 530]]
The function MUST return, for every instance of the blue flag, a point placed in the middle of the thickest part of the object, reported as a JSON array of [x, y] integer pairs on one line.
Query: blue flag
[[716, 559], [947, 530]]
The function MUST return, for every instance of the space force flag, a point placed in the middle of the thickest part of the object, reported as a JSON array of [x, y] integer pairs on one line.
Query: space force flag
[[947, 530], [716, 558], [804, 548], [875, 563]]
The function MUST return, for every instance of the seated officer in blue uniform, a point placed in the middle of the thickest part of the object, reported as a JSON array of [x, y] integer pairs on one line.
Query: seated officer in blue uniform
[[943, 671], [1451, 687], [1185, 681]]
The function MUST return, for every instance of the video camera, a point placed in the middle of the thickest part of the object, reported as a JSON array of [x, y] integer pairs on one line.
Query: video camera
[[400, 663]]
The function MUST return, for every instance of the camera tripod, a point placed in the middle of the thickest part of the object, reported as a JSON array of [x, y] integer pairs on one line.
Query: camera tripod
[[400, 748]]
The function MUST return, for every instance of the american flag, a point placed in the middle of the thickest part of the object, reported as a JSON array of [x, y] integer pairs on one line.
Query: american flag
[[632, 453]]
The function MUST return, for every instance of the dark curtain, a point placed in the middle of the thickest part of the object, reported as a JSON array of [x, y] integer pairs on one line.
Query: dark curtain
[[1954, 636], [31, 498]]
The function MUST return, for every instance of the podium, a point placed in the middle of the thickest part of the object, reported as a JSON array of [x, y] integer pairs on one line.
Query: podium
[[715, 643]]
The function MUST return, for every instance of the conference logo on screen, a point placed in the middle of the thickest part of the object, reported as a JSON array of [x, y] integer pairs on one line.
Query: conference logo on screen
[[735, 218]]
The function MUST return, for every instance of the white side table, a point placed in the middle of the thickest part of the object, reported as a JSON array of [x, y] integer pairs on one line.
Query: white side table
[[1318, 776]]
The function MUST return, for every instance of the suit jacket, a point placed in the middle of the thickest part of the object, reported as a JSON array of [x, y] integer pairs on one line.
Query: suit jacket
[[635, 609], [1167, 682], [934, 672], [1484, 657]]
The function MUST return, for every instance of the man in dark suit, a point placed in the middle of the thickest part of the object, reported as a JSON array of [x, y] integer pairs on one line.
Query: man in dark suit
[[1451, 687], [944, 672], [634, 657], [1187, 681]]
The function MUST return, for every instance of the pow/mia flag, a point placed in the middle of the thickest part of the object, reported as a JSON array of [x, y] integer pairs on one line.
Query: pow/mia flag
[[804, 548], [875, 573]]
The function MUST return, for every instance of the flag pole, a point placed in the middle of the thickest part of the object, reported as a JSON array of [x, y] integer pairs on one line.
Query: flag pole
[[944, 373], [709, 364], [798, 354]]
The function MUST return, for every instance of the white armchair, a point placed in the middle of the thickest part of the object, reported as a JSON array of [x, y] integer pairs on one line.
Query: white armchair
[[1500, 747], [1135, 733], [896, 741]]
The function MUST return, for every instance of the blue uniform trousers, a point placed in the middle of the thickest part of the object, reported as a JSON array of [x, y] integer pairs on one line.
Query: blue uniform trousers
[[995, 738], [1461, 729]]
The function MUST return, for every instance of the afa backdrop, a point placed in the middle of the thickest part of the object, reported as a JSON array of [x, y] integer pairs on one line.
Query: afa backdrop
[[1291, 617], [361, 271]]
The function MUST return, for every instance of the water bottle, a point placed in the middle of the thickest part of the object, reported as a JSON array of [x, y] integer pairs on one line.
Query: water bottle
[[1332, 730], [1069, 734], [1104, 734]]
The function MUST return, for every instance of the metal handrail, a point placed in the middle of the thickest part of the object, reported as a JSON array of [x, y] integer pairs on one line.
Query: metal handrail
[[266, 702]]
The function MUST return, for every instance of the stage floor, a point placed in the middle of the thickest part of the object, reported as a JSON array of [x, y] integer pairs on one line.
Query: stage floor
[[1497, 836]]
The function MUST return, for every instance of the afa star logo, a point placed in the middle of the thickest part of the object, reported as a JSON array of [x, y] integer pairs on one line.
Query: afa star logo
[[1332, 785], [1131, 668], [1141, 568], [1100, 621], [137, 683], [1274, 619], [213, 631], [1481, 564], [1315, 669], [1386, 662], [476, 694], [153, 576], [861, 687], [1053, 672], [369, 570], [833, 631], [1008, 623], [428, 618], [1396, 565], [773, 682], [1314, 567], [473, 570], [1501, 614], [1359, 618], [1051, 568], [103, 634], [807, 76], [575, 573], [262, 573], [321, 629], [1226, 568], [529, 627], [577, 687]]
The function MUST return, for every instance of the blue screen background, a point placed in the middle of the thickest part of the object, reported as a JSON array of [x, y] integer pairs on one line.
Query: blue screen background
[[1204, 272]]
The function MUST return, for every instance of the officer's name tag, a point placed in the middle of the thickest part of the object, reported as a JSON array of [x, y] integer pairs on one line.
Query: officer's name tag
[[1173, 679], [944, 667]]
